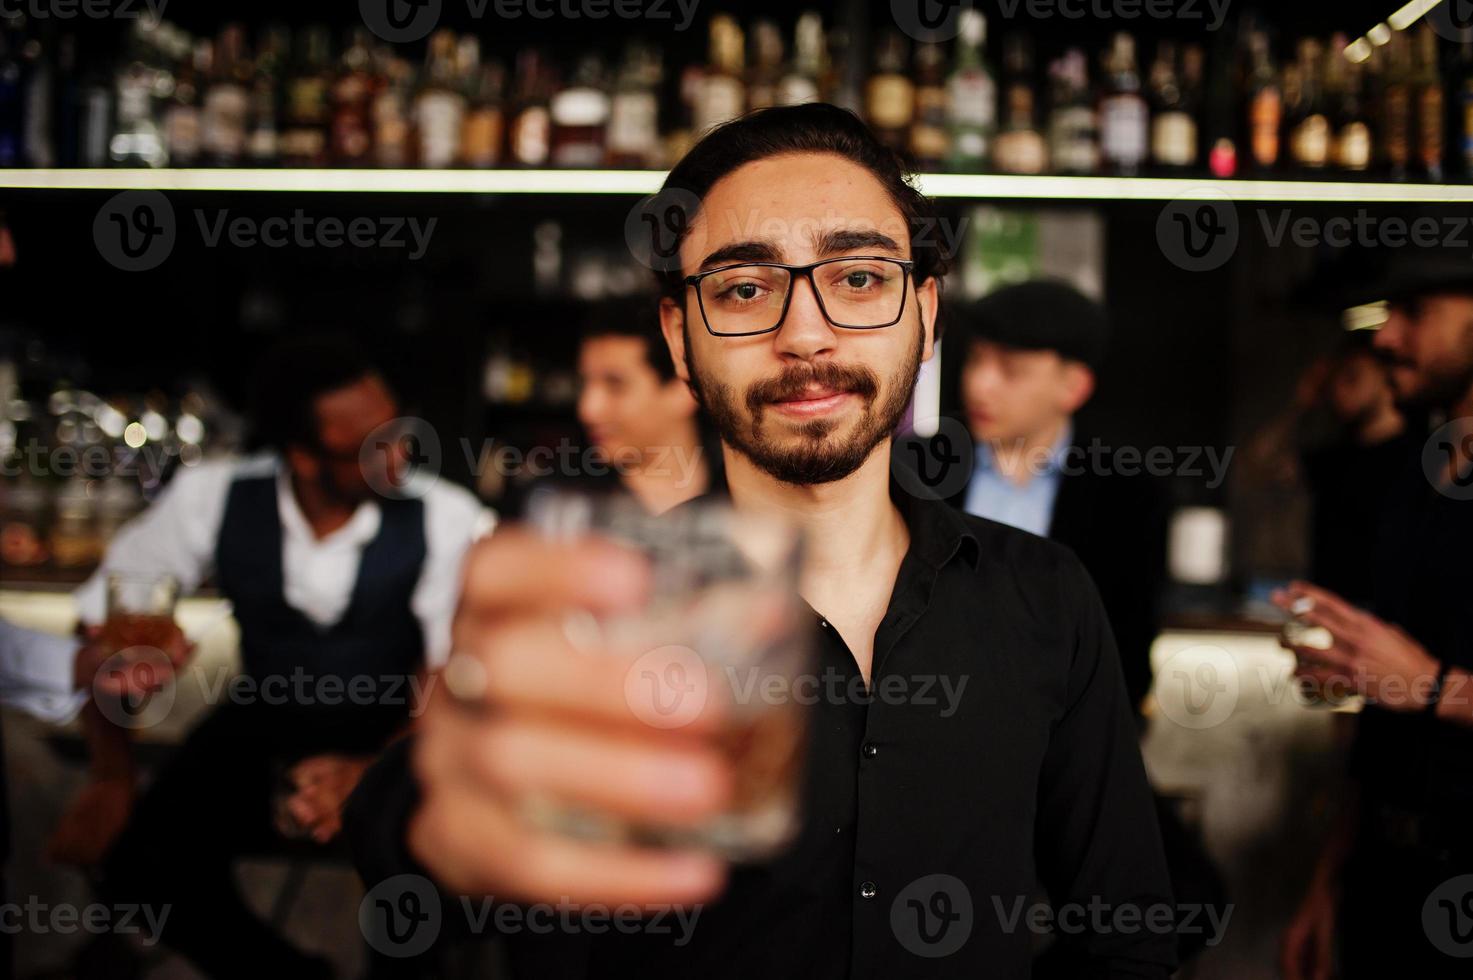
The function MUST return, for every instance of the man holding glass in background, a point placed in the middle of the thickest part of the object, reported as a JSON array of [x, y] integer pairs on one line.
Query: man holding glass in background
[[341, 575], [799, 314], [1392, 892]]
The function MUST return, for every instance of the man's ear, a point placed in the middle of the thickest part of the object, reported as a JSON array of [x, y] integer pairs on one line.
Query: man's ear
[[1079, 385], [928, 295], [672, 324]]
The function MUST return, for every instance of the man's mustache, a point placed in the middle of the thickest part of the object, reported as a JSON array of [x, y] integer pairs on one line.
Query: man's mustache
[[796, 380]]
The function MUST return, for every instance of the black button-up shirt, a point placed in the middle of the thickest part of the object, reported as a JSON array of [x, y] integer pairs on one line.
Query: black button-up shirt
[[988, 774]]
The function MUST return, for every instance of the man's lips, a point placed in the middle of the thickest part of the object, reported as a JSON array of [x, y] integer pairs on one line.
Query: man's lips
[[813, 401]]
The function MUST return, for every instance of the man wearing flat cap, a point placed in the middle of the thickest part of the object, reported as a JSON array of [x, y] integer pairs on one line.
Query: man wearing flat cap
[[1018, 365]]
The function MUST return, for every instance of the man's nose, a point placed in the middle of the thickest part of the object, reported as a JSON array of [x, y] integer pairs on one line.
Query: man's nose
[[805, 331], [1392, 332]]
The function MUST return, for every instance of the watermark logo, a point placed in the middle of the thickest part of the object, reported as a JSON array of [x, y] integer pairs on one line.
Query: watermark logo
[[937, 465], [401, 459], [400, 916], [135, 230], [929, 21], [134, 688], [1213, 13], [1447, 917], [667, 687], [400, 21], [1452, 19], [41, 10], [1447, 459], [932, 916], [656, 227], [1198, 687], [1198, 233]]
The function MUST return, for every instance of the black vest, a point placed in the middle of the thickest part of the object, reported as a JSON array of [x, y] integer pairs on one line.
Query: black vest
[[377, 639]]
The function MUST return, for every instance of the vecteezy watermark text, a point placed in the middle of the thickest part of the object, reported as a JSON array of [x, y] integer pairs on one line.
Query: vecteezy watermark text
[[407, 21], [38, 917]]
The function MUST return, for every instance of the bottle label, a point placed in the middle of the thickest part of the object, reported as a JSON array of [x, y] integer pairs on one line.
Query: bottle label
[[1020, 152], [634, 128], [1123, 129], [480, 138], [182, 134], [531, 137], [890, 102], [224, 123], [722, 99], [1174, 139], [1264, 115], [1073, 142], [1353, 147], [439, 115], [972, 100], [1310, 143]]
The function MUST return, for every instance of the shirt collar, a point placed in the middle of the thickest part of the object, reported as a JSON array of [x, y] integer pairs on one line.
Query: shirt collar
[[1052, 461], [938, 531], [360, 529]]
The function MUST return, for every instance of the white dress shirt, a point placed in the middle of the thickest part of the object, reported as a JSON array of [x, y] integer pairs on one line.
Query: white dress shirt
[[36, 673], [177, 536]]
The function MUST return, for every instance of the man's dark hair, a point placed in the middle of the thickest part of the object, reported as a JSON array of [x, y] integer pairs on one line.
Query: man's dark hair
[[289, 379], [812, 128], [631, 316]]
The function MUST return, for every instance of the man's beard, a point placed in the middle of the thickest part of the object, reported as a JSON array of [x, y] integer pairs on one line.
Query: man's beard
[[1445, 384], [813, 460]]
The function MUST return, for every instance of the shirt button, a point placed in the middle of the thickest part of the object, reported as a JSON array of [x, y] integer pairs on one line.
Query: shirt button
[[867, 890], [869, 750]]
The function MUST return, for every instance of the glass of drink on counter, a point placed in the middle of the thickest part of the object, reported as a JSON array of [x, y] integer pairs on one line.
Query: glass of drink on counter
[[724, 621]]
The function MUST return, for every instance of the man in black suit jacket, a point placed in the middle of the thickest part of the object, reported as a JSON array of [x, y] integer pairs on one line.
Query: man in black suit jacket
[[1018, 364]]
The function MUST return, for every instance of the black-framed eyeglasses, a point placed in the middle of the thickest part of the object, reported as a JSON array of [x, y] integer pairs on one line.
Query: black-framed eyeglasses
[[856, 292]]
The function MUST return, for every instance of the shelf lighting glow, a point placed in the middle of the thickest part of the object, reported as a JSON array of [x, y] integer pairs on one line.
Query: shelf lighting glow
[[1410, 14], [633, 183]]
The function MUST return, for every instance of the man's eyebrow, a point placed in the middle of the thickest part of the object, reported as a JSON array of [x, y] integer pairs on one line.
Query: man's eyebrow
[[849, 240], [753, 251]]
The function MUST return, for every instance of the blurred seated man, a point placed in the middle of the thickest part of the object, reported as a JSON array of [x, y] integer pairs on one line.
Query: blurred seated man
[[640, 418], [1390, 895], [50, 678], [342, 574]]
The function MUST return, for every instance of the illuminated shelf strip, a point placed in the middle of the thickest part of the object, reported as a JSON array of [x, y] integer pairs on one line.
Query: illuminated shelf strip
[[631, 182]]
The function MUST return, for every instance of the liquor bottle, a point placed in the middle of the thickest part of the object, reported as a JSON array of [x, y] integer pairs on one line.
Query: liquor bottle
[[227, 101], [68, 104], [38, 135], [580, 117], [439, 107], [263, 146], [182, 125], [634, 112], [889, 96], [1309, 133], [1173, 119], [485, 123], [1074, 144], [1351, 135], [530, 133], [971, 97], [393, 143], [1020, 147], [1431, 105], [1124, 117], [843, 81], [801, 83], [11, 131], [303, 141], [723, 96], [1265, 104], [350, 140], [137, 139], [1396, 108], [928, 134], [1220, 113], [767, 65]]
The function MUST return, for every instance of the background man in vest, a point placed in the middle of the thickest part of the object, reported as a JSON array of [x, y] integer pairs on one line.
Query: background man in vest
[[343, 589]]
